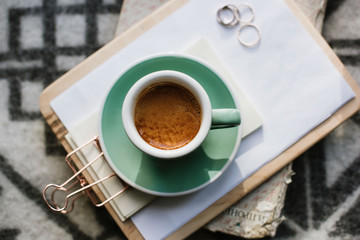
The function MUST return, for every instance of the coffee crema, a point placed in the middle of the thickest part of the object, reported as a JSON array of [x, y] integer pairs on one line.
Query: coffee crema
[[167, 115]]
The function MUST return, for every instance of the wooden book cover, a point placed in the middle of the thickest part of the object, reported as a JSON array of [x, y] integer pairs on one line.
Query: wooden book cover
[[247, 185]]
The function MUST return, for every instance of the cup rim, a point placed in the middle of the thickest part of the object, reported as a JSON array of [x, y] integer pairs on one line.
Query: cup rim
[[159, 77]]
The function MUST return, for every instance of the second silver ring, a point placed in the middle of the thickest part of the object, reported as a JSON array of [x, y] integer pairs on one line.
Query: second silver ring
[[251, 43]]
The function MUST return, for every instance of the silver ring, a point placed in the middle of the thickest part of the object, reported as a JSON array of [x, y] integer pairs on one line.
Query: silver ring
[[251, 44], [220, 17], [238, 15]]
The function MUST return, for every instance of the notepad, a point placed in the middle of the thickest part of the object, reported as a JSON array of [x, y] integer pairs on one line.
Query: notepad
[[132, 200]]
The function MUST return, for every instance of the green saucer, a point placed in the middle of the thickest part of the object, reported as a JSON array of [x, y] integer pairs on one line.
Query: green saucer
[[175, 176]]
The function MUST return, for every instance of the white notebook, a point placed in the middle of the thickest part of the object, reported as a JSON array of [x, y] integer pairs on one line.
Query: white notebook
[[132, 200]]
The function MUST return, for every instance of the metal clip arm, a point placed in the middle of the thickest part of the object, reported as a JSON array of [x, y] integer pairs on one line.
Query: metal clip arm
[[72, 197]]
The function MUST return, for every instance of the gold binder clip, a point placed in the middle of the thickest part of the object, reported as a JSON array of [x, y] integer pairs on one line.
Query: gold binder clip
[[85, 186]]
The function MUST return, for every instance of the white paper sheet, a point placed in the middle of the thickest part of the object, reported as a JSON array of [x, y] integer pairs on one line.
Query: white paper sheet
[[287, 77]]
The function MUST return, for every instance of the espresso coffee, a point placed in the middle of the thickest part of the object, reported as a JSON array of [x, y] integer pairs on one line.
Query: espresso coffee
[[167, 115]]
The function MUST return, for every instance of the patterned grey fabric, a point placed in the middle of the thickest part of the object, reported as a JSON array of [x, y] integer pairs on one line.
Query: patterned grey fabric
[[41, 39]]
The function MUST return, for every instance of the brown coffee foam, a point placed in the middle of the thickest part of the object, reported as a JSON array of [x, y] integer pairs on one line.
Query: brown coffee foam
[[167, 116]]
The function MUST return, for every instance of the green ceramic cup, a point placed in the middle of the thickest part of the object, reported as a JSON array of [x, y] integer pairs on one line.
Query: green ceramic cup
[[182, 175], [210, 118]]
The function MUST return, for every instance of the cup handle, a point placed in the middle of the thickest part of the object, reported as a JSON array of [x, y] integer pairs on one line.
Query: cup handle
[[224, 118]]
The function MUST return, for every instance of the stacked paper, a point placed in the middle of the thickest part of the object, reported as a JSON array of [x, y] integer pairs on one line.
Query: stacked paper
[[287, 77]]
